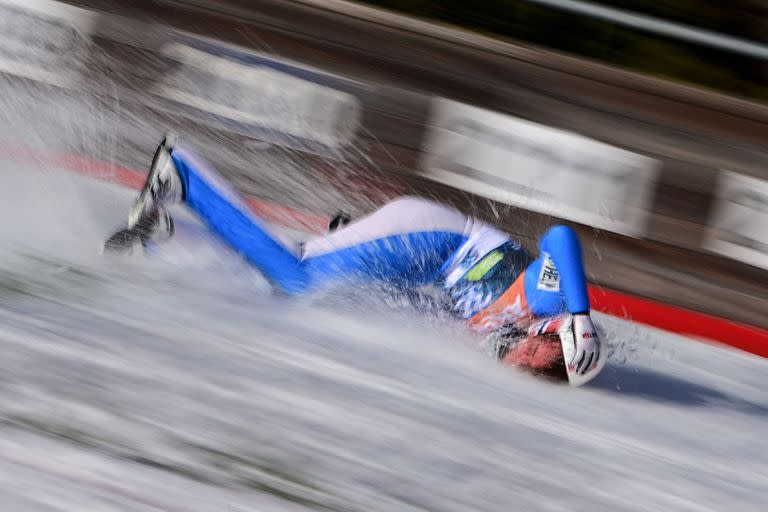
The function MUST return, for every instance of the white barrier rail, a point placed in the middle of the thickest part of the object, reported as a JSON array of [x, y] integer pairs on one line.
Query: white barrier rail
[[257, 93], [35, 36], [538, 168], [235, 88], [739, 223]]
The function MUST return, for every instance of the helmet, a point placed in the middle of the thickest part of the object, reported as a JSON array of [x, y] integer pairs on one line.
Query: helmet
[[565, 346], [536, 349]]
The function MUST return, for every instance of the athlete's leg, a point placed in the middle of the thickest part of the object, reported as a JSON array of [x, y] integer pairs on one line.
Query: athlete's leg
[[223, 210], [555, 282], [405, 242]]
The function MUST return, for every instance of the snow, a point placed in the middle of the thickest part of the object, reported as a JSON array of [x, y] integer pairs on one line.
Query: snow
[[180, 383]]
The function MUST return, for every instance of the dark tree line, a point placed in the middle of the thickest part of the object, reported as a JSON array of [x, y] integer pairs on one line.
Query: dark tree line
[[600, 40]]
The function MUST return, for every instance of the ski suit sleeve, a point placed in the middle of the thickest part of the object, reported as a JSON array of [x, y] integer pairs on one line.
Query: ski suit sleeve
[[556, 280]]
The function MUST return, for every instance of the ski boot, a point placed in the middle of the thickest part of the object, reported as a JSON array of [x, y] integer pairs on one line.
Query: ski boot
[[148, 219]]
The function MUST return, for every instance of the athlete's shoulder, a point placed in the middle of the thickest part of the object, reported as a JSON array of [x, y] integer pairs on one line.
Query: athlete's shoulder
[[482, 239]]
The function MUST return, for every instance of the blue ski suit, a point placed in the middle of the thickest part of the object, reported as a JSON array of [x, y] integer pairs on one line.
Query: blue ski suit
[[410, 241]]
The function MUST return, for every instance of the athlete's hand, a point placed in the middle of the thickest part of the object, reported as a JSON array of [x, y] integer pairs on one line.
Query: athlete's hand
[[587, 355]]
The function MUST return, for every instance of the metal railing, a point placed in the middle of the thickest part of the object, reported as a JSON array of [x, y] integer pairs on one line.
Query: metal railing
[[661, 27]]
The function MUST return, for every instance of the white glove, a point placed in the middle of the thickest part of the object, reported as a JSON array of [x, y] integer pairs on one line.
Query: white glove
[[587, 344], [582, 349]]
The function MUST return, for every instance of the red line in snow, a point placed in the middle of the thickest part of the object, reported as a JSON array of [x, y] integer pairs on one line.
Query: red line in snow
[[699, 326]]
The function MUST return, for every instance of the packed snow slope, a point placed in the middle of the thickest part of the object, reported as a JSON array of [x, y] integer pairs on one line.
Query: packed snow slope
[[180, 383]]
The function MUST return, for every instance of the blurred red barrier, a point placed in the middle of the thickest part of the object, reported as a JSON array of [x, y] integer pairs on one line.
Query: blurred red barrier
[[689, 323]]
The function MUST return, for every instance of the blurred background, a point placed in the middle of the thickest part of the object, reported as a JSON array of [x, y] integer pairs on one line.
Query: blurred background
[[643, 121], [591, 30], [643, 124]]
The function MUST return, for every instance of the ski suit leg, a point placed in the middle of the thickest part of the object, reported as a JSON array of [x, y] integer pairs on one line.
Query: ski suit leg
[[555, 282], [219, 205], [404, 243]]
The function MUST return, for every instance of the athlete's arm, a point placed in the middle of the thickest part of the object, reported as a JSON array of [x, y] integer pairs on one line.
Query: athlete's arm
[[562, 245]]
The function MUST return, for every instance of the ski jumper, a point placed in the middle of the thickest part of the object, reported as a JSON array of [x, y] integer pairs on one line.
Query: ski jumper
[[410, 242]]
